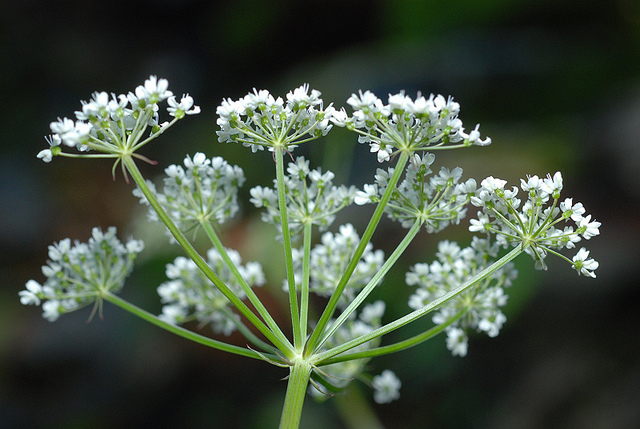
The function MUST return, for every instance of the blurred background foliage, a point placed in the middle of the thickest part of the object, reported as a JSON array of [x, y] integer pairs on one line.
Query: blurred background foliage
[[556, 84]]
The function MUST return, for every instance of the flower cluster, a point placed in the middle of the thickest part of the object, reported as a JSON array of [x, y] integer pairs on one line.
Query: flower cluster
[[190, 295], [205, 190], [259, 120], [82, 273], [311, 197], [478, 307], [386, 387], [535, 224], [329, 260], [434, 200], [405, 124], [337, 376], [116, 124]]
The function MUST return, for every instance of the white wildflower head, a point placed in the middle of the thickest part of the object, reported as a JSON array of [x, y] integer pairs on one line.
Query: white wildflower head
[[541, 223], [259, 120], [79, 274], [404, 124], [311, 197], [477, 308], [117, 125], [436, 200], [190, 295], [204, 190]]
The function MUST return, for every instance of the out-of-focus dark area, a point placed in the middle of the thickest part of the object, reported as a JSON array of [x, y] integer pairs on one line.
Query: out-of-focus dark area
[[555, 84]]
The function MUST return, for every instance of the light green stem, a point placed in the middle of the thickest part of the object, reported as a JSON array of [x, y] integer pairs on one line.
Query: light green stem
[[373, 282], [199, 261], [304, 292], [288, 257], [393, 348], [253, 298], [312, 345], [415, 315], [185, 333], [296, 391]]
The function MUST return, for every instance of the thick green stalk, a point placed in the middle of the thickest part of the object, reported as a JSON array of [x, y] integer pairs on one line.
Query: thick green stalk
[[296, 391], [415, 315], [253, 298], [288, 257], [185, 333], [312, 345], [198, 260]]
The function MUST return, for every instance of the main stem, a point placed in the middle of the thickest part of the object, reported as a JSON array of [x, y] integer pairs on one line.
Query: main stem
[[296, 392]]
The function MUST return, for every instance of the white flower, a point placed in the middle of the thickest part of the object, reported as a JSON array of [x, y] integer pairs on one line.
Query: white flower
[[185, 107], [491, 184], [46, 155], [386, 387], [51, 310], [30, 296], [583, 265], [474, 137], [492, 323], [363, 101], [372, 313], [482, 224], [553, 185], [457, 341], [588, 228], [154, 90], [366, 196]]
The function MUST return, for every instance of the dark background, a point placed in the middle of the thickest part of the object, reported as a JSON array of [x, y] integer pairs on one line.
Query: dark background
[[556, 84]]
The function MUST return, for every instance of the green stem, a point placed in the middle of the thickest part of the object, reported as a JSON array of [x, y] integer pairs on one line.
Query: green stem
[[304, 292], [373, 282], [312, 345], [246, 332], [393, 348], [288, 257], [296, 391], [199, 261], [415, 315], [253, 298], [145, 315]]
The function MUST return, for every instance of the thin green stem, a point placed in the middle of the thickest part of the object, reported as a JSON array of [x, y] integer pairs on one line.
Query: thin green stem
[[304, 292], [253, 298], [246, 332], [296, 392], [199, 261], [373, 282], [417, 314], [312, 345], [185, 333], [396, 347], [288, 257]]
